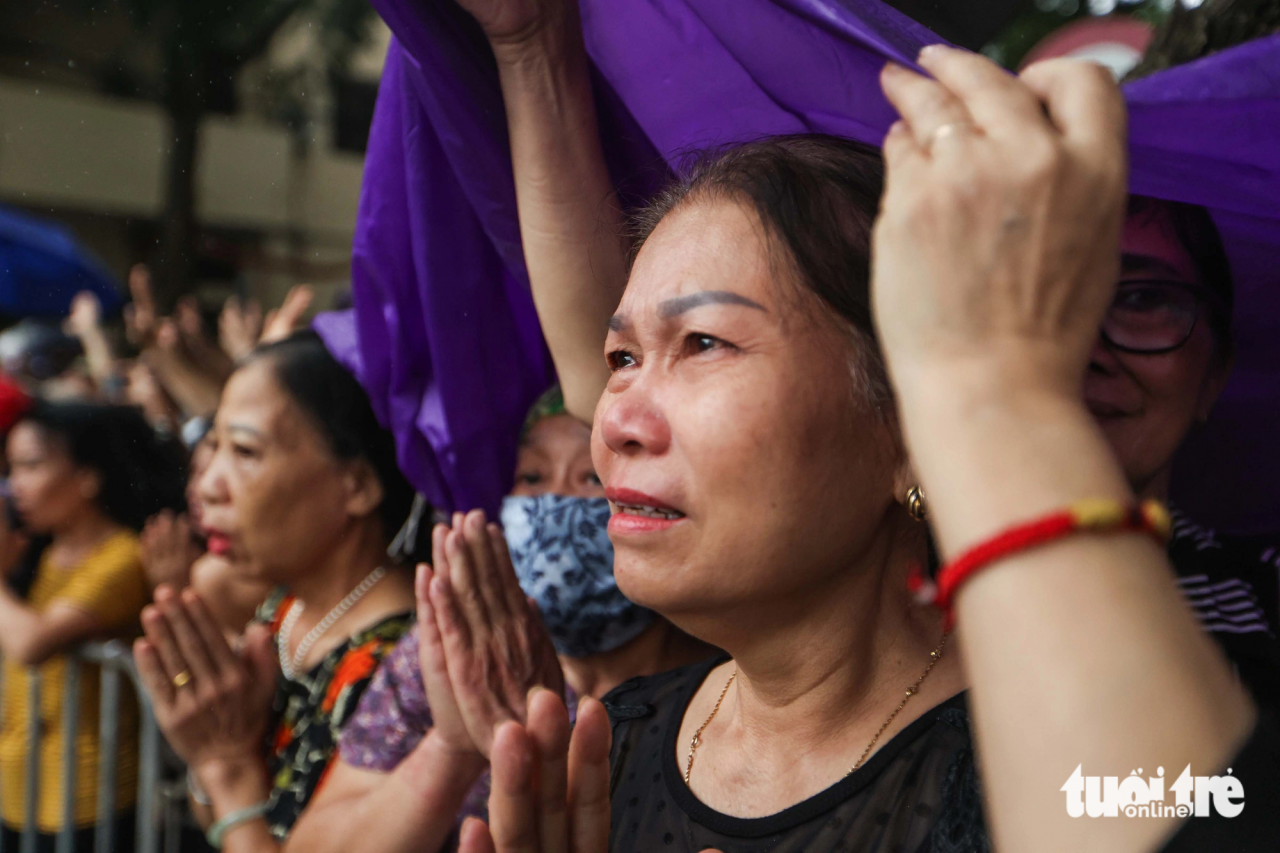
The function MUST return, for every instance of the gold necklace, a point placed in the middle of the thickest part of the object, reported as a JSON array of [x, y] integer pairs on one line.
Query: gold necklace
[[934, 657]]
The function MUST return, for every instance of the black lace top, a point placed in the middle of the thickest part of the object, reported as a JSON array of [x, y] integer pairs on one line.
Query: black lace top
[[918, 793]]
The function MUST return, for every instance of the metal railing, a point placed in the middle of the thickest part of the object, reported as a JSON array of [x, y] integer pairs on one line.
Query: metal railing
[[159, 806]]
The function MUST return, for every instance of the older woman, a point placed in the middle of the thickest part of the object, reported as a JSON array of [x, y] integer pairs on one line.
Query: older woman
[[303, 492], [749, 445], [996, 254]]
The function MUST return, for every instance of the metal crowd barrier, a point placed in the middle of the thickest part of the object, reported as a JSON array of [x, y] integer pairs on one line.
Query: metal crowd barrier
[[159, 806]]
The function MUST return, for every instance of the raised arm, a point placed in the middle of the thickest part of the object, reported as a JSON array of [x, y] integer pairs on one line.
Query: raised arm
[[996, 254], [570, 220]]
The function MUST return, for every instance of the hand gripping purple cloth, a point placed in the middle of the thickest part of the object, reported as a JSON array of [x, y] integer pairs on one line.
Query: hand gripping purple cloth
[[444, 334]]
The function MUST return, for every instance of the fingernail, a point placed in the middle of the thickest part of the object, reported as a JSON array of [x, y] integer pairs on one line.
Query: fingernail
[[892, 69], [930, 52]]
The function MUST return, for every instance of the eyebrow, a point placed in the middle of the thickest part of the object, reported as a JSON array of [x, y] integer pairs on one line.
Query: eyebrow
[[256, 433], [671, 308], [1132, 263]]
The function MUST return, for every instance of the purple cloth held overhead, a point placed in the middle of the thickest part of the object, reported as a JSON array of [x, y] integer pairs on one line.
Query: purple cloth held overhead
[[445, 335]]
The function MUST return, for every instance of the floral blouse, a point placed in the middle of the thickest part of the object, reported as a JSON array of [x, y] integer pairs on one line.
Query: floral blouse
[[308, 714]]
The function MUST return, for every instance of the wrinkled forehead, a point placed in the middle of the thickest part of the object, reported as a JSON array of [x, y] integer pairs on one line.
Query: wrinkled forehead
[[1150, 248], [254, 401], [704, 246]]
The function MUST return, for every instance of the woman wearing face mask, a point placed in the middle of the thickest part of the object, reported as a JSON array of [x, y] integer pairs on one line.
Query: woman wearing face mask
[[554, 521], [1162, 359], [302, 492], [84, 478]]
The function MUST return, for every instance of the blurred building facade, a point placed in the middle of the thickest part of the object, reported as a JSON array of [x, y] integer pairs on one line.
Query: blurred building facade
[[85, 138]]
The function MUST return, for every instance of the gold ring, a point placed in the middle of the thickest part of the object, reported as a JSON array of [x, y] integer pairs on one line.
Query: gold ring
[[182, 679]]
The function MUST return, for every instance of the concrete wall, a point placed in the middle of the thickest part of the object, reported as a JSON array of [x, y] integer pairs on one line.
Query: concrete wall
[[67, 149]]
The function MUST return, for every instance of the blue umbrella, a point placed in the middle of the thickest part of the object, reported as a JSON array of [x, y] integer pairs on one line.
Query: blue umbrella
[[42, 266]]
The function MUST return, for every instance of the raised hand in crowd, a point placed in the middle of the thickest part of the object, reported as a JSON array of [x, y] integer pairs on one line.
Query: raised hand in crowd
[[239, 326], [284, 321], [194, 385], [473, 614], [168, 550], [85, 323], [571, 223], [995, 256]]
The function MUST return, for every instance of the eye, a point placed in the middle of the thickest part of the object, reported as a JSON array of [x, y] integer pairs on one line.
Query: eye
[[244, 451], [620, 359], [593, 478], [529, 478], [697, 342]]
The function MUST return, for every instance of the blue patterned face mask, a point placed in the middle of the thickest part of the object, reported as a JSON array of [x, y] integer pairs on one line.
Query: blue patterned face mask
[[564, 560]]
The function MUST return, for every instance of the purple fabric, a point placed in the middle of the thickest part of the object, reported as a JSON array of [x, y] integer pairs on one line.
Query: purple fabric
[[448, 342]]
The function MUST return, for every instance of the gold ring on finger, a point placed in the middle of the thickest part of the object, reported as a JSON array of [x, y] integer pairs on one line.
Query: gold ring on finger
[[182, 679]]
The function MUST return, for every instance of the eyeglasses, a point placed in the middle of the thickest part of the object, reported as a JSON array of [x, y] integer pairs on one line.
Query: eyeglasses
[[1153, 317]]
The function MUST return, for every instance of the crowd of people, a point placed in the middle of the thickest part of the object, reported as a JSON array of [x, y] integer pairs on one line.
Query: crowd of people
[[842, 529]]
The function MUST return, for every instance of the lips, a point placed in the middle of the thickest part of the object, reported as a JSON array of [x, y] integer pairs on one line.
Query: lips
[[637, 513], [219, 544]]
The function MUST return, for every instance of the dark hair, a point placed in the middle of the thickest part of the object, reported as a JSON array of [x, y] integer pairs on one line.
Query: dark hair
[[338, 406], [141, 474], [1193, 228], [817, 197]]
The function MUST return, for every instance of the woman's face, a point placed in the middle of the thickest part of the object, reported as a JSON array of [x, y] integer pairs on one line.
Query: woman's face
[[49, 489], [275, 500], [555, 459], [1146, 404], [742, 469]]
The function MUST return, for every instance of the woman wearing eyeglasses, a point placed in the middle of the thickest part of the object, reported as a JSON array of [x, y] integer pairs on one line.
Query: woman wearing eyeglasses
[[1163, 357]]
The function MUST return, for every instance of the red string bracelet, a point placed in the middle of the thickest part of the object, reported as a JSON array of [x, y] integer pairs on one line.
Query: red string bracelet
[[1092, 516]]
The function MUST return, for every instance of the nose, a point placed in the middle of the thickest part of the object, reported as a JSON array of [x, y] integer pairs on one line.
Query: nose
[[1103, 358], [211, 485], [631, 423]]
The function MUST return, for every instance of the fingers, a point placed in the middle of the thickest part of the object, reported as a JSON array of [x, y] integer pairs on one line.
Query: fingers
[[282, 322], [155, 678], [513, 821], [931, 112], [209, 632], [1082, 100], [189, 643], [475, 837], [490, 582], [161, 640], [588, 776], [463, 575], [990, 94], [430, 643], [516, 600], [549, 728]]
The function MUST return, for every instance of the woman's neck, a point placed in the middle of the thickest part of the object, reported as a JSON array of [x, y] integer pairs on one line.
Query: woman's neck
[[324, 586], [80, 535], [658, 648], [818, 676]]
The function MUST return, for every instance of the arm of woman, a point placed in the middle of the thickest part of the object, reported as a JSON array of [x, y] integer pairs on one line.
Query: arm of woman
[[105, 594], [996, 254], [571, 224], [409, 810], [30, 638]]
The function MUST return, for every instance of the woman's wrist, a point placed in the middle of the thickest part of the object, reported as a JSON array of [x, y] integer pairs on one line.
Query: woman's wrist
[[232, 783]]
